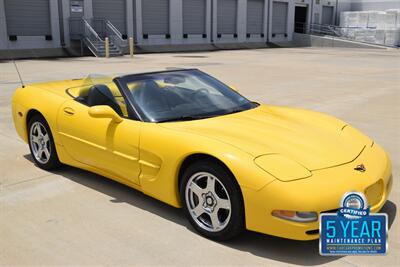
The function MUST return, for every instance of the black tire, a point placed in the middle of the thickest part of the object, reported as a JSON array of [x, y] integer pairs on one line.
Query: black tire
[[52, 162], [236, 223]]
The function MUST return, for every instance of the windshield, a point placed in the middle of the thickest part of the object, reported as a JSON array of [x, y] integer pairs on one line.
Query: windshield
[[181, 95]]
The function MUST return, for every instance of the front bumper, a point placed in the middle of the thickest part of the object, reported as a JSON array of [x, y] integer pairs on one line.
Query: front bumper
[[321, 192]]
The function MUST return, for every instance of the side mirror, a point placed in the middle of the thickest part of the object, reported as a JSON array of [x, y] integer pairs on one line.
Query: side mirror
[[104, 111]]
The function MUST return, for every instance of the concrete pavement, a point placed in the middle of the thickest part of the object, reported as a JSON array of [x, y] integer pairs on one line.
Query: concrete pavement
[[72, 217]]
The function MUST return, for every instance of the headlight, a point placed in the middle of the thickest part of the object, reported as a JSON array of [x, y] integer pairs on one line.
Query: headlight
[[296, 216], [282, 167]]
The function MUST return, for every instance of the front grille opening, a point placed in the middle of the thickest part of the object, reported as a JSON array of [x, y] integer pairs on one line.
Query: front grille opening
[[329, 211], [312, 232]]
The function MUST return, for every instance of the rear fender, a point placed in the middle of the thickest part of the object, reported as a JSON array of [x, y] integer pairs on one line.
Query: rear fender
[[31, 98]]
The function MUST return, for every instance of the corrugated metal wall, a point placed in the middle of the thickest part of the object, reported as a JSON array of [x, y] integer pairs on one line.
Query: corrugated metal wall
[[155, 17], [255, 16], [194, 16], [279, 17], [226, 16], [134, 19], [327, 15], [28, 17], [159, 22], [112, 10]]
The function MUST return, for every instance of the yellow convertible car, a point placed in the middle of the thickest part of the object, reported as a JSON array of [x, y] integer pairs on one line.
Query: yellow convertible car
[[187, 139]]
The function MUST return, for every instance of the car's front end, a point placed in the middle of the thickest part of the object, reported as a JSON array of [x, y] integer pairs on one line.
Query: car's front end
[[306, 162], [291, 209]]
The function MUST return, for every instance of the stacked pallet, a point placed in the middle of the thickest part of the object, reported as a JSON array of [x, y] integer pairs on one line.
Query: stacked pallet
[[378, 27]]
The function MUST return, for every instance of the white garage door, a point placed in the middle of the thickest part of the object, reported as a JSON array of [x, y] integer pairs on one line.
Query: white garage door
[[112, 10], [279, 17], [255, 16], [194, 16], [27, 17], [226, 16], [155, 17]]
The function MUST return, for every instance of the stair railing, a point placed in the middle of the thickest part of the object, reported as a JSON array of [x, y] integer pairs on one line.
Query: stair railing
[[91, 38], [359, 34], [324, 29], [115, 36]]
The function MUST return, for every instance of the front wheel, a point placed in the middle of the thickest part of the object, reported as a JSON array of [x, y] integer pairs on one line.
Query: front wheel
[[41, 144], [212, 200]]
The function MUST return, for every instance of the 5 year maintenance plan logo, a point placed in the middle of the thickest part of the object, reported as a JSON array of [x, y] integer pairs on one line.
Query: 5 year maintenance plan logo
[[353, 230]]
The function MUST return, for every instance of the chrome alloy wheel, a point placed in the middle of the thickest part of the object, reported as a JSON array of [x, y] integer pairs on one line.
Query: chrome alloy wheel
[[208, 201], [40, 142]]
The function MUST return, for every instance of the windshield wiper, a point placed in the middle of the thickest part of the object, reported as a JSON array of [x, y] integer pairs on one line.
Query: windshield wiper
[[186, 118], [199, 117]]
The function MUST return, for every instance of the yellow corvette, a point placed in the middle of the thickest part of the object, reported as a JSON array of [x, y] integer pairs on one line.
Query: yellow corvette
[[187, 139]]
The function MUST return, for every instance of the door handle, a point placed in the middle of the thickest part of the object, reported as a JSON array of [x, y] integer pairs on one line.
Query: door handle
[[69, 111]]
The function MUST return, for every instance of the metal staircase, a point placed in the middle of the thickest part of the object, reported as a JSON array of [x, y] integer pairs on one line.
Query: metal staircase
[[99, 50], [95, 40]]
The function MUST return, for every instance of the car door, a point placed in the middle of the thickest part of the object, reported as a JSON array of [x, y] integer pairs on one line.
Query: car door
[[100, 142]]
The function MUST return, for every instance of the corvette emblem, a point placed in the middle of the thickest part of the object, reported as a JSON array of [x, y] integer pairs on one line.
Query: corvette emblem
[[360, 168]]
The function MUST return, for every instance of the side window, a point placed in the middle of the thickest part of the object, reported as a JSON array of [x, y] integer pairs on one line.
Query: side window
[[102, 94], [119, 99]]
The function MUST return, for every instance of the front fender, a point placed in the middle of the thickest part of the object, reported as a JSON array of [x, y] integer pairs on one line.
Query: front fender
[[162, 152]]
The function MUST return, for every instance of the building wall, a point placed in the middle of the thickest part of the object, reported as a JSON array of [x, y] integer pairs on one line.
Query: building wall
[[343, 5], [318, 6], [375, 5], [365, 5], [31, 42], [3, 26], [290, 19], [60, 11]]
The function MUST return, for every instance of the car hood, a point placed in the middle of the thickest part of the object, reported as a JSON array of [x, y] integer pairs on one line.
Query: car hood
[[313, 139]]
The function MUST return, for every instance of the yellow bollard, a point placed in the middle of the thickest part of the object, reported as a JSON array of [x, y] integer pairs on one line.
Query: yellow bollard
[[107, 47], [131, 46]]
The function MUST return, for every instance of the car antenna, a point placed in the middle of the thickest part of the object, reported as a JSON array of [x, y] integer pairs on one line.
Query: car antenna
[[19, 75]]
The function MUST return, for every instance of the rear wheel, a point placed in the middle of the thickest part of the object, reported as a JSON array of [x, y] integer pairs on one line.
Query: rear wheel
[[41, 144], [212, 200]]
